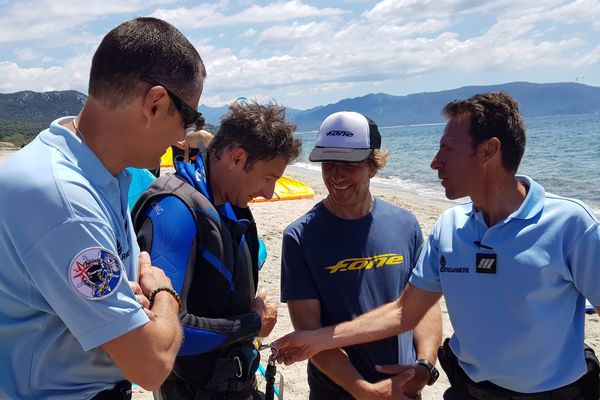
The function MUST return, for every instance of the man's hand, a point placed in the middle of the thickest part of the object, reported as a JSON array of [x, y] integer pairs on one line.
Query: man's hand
[[297, 346], [143, 300], [389, 389], [266, 311], [150, 277], [412, 387]]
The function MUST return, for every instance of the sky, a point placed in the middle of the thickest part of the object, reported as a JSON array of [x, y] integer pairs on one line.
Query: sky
[[306, 53]]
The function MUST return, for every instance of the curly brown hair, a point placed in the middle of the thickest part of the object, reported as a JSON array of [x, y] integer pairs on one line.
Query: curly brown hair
[[261, 130]]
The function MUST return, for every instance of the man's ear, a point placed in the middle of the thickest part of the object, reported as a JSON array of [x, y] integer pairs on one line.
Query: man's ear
[[490, 148], [237, 158], [155, 103]]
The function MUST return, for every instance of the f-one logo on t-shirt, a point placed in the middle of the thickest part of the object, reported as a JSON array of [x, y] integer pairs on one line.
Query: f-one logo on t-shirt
[[356, 264]]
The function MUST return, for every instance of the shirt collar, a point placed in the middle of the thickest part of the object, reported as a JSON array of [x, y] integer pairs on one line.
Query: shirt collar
[[534, 200], [78, 153], [531, 205]]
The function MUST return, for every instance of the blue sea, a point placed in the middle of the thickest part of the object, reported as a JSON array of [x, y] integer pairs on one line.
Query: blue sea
[[562, 153]]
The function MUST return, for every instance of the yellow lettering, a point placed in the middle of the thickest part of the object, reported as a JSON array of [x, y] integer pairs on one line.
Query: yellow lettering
[[355, 264], [340, 266], [395, 259]]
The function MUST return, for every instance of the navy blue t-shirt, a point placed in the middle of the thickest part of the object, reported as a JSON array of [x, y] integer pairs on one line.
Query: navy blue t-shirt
[[351, 267]]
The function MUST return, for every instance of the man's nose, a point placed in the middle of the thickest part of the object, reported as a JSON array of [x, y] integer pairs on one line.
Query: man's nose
[[267, 191], [435, 163]]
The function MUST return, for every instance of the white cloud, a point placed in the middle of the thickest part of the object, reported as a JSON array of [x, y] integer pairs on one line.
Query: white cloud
[[52, 19], [213, 14], [300, 47], [297, 32], [37, 79], [27, 54], [249, 32]]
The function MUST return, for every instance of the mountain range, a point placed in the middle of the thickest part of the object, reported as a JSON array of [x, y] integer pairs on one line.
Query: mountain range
[[31, 110]]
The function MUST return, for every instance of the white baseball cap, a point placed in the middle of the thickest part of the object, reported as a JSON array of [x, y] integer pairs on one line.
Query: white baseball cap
[[346, 136]]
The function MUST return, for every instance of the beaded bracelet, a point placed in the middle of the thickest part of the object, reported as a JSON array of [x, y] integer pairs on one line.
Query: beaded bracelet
[[167, 289]]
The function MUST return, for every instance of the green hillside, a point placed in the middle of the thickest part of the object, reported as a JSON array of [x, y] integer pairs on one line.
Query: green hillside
[[24, 114]]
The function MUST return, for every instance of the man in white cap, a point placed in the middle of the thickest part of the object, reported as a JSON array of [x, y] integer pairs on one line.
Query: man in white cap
[[349, 254]]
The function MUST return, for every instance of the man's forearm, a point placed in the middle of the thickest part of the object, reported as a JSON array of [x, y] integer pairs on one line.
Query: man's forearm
[[146, 355], [388, 320], [377, 324], [168, 326], [428, 334], [337, 366]]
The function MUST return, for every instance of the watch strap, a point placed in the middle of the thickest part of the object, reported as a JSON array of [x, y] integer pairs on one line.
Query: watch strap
[[433, 372]]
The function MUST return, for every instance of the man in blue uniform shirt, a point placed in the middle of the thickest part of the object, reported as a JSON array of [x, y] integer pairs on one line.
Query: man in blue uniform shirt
[[514, 265], [371, 249], [81, 311]]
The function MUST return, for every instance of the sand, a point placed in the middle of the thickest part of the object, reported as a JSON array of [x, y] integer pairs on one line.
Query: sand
[[273, 217]]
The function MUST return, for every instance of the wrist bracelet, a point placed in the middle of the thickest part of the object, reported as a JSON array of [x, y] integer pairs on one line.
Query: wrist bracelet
[[167, 289]]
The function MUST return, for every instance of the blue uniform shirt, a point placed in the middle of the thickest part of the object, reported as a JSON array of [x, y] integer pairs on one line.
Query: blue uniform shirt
[[521, 328], [67, 250]]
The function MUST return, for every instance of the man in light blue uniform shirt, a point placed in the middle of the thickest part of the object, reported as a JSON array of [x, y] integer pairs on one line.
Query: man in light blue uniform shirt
[[514, 265], [82, 312]]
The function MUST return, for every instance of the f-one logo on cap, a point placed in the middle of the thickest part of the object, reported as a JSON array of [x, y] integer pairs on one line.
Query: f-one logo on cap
[[340, 133], [95, 273], [486, 263]]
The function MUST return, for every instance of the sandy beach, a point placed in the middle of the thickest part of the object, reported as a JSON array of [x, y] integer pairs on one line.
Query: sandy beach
[[273, 217]]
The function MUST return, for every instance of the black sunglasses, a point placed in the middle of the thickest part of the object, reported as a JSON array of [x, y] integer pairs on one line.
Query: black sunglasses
[[189, 115]]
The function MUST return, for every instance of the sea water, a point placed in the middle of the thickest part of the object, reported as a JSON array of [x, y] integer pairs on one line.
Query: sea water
[[562, 154]]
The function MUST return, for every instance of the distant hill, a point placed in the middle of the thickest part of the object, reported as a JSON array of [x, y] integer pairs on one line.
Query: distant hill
[[213, 115], [387, 110], [24, 114], [40, 107]]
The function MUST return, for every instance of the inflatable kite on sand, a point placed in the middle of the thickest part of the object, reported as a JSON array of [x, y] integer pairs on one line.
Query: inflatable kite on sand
[[167, 159], [288, 189]]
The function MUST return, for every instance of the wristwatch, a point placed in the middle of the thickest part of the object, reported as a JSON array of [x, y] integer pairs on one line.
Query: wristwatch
[[433, 372]]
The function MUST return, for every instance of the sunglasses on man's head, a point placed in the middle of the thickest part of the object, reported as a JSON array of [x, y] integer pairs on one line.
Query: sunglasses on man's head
[[189, 115]]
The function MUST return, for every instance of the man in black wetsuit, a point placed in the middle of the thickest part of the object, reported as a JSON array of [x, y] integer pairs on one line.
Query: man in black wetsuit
[[198, 228]]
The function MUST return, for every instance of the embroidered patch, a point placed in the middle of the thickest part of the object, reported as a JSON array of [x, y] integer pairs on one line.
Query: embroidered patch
[[95, 273]]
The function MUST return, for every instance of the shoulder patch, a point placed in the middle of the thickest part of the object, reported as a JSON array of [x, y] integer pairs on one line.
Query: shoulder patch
[[95, 273]]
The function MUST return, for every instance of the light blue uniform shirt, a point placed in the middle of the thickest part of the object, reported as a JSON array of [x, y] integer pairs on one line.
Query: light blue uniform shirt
[[57, 200], [523, 327]]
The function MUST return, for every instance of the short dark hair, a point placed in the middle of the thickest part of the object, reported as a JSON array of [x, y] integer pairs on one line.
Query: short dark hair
[[143, 46], [261, 130], [491, 115]]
